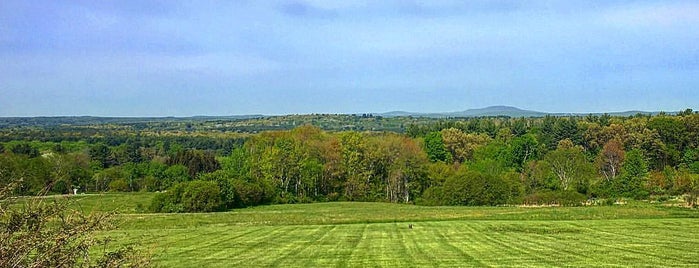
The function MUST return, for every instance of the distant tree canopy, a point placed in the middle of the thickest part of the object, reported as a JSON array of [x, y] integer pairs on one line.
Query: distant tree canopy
[[474, 161]]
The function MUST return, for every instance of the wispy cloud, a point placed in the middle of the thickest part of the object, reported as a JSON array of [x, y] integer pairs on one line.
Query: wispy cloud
[[301, 9], [431, 55], [654, 15]]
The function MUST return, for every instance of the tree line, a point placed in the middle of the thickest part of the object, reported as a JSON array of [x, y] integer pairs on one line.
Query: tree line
[[480, 161]]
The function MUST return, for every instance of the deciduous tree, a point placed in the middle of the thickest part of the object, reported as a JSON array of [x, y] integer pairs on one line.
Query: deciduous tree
[[610, 159], [569, 165]]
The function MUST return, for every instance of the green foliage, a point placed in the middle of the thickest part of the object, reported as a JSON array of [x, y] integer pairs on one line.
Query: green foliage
[[118, 185], [152, 176], [174, 174], [570, 167], [196, 161], [433, 196], [496, 150], [462, 146], [633, 176], [567, 128], [524, 148], [169, 201], [201, 196], [475, 189], [692, 197], [31, 174], [691, 160], [25, 149], [307, 164], [434, 146], [671, 130], [41, 233], [101, 154], [251, 194], [193, 196]]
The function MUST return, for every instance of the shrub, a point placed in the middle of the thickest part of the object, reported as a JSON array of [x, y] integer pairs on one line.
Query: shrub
[[248, 193], [193, 196], [60, 187], [201, 196], [45, 233], [433, 196], [118, 185], [476, 189], [166, 202]]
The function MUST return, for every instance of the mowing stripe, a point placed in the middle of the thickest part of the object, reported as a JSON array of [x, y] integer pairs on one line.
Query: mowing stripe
[[291, 252], [506, 249], [422, 249], [377, 235], [620, 245]]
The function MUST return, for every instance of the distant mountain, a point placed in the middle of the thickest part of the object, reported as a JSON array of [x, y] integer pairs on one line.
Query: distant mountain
[[399, 113], [632, 113], [497, 111], [487, 111], [503, 111]]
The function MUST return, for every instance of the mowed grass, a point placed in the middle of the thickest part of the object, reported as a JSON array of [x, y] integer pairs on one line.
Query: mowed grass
[[377, 235], [633, 243]]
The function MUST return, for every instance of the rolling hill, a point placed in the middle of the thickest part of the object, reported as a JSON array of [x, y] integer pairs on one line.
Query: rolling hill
[[501, 110]]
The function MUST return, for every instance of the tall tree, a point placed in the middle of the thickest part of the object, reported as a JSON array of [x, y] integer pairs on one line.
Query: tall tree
[[460, 145], [101, 154], [610, 159], [567, 128], [434, 146], [634, 175], [569, 165], [196, 161], [355, 165], [524, 148]]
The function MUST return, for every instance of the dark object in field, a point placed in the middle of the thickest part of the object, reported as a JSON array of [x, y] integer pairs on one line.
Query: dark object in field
[[410, 226]]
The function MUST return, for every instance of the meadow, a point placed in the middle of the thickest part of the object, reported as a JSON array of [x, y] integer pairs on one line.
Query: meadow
[[347, 234]]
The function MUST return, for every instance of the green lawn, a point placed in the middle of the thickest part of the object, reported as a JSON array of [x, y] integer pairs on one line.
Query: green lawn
[[377, 234]]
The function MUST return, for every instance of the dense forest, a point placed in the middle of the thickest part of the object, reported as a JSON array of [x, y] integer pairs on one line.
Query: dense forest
[[462, 161]]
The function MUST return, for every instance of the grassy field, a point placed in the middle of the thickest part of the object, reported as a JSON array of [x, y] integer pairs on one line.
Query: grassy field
[[377, 234]]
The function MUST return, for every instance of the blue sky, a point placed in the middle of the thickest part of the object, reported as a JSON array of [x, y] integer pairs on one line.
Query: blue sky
[[171, 58]]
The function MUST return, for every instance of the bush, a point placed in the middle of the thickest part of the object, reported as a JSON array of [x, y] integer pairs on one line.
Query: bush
[[473, 188], [60, 187], [201, 196], [193, 196], [51, 234], [476, 189], [433, 196], [169, 201], [118, 185], [248, 193]]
